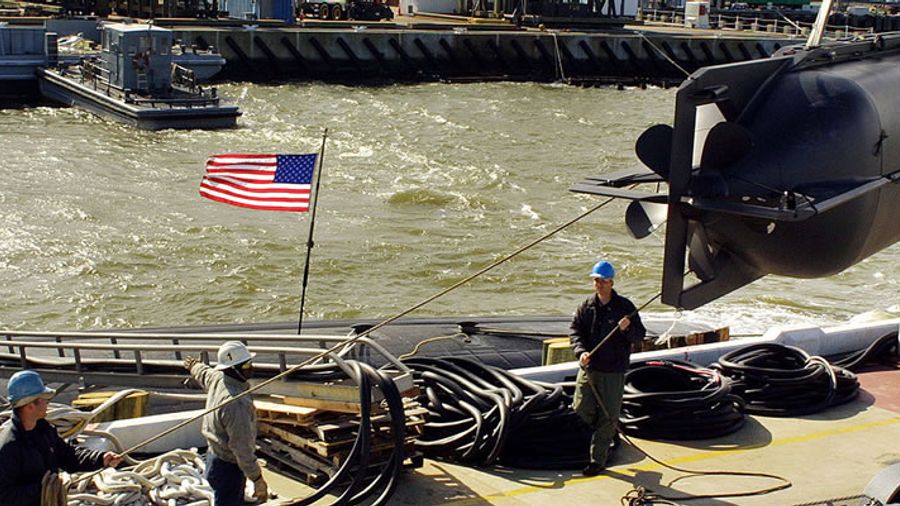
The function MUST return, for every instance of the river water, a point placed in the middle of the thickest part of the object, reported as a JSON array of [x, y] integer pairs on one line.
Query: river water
[[103, 227]]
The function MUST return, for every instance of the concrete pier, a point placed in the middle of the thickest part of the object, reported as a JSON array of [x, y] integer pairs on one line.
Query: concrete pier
[[354, 54]]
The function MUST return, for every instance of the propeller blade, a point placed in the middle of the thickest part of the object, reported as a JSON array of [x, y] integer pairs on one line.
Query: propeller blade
[[700, 257], [644, 218], [654, 148], [726, 143]]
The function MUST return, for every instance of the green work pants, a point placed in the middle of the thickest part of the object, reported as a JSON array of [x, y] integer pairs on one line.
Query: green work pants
[[610, 386]]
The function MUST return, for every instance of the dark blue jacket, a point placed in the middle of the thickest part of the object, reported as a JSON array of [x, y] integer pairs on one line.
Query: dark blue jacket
[[26, 455], [593, 321]]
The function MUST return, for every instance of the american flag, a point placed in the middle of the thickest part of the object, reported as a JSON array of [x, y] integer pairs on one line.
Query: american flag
[[267, 182]]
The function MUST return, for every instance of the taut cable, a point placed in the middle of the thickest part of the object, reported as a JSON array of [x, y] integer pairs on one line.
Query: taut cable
[[362, 334]]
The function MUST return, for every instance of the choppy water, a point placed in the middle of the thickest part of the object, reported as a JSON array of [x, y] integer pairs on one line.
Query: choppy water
[[102, 225]]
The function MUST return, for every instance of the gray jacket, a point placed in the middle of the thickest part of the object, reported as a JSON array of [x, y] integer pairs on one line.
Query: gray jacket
[[231, 430]]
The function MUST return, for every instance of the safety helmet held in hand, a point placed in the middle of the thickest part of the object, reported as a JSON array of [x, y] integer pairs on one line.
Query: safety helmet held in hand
[[603, 270], [25, 387], [233, 353]]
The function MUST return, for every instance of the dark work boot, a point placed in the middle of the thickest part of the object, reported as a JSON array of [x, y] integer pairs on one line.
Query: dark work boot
[[593, 469]]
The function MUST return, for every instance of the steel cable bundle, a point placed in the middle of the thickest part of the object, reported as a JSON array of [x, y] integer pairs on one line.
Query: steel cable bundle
[[678, 400], [778, 380], [481, 414]]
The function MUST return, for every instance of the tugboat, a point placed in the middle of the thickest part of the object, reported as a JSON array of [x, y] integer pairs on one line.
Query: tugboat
[[136, 82]]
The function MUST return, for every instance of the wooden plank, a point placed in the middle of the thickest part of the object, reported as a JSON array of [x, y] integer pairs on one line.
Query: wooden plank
[[284, 413], [287, 409], [325, 404]]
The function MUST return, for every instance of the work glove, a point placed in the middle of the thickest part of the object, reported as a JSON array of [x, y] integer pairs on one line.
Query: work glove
[[260, 490], [189, 362]]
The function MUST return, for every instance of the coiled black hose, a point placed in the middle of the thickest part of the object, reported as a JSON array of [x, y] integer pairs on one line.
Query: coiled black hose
[[678, 400], [386, 482], [884, 349], [349, 482], [359, 453], [481, 414], [778, 380]]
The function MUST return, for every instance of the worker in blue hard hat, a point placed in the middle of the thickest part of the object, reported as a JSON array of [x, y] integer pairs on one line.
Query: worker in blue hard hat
[[31, 448], [602, 331], [231, 429]]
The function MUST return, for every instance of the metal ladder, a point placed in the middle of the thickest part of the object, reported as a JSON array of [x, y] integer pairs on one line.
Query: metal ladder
[[51, 47], [141, 76]]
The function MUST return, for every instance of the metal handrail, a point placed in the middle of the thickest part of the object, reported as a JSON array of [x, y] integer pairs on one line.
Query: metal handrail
[[754, 23], [176, 335], [173, 345], [154, 347]]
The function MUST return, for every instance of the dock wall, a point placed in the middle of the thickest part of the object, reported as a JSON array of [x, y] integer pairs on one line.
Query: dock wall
[[352, 55]]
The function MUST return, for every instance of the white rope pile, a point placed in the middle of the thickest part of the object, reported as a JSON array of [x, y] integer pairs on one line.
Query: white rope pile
[[172, 479]]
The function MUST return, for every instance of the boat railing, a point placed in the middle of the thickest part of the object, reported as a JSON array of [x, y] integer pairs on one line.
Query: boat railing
[[142, 358], [96, 75], [755, 23], [205, 99]]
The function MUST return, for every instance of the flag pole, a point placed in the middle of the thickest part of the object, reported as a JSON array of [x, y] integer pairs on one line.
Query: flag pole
[[312, 223]]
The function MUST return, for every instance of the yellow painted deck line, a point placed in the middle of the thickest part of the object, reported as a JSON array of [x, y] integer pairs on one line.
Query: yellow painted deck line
[[650, 465]]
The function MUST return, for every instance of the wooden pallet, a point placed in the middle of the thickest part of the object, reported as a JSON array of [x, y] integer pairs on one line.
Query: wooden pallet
[[313, 443], [335, 430], [312, 471], [335, 450]]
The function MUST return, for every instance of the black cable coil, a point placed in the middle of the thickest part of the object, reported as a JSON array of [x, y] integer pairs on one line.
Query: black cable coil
[[778, 380], [481, 414], [882, 350], [678, 400], [355, 482]]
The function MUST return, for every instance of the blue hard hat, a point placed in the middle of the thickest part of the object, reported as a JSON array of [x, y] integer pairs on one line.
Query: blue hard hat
[[25, 386], [603, 270]]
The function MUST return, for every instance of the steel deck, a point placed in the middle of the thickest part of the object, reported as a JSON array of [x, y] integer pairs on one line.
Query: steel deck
[[827, 456]]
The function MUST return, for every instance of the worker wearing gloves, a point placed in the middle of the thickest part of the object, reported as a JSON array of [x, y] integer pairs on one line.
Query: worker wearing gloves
[[602, 373], [31, 448], [230, 430]]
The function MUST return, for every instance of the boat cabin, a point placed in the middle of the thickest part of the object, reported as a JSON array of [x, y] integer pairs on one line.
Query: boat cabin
[[137, 56]]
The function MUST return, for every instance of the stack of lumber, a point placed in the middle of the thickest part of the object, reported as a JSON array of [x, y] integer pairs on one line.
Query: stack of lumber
[[312, 443], [668, 341]]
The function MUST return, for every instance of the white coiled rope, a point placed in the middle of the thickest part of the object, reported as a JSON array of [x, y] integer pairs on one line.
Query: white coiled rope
[[172, 479]]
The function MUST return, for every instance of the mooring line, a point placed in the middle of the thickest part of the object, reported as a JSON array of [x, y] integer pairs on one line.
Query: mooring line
[[559, 62], [663, 53]]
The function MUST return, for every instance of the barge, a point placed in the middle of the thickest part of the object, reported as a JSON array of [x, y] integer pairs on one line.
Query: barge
[[834, 457], [136, 82]]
